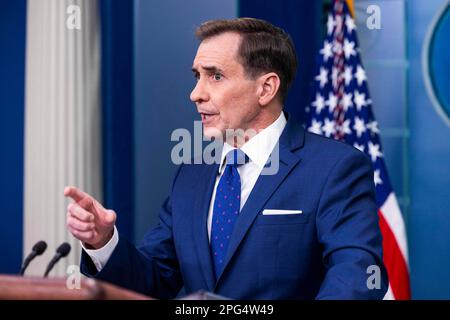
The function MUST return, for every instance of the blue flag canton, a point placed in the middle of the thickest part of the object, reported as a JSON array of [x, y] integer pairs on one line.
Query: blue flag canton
[[341, 107]]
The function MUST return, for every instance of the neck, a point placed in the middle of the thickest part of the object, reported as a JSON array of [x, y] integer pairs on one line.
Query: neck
[[239, 137]]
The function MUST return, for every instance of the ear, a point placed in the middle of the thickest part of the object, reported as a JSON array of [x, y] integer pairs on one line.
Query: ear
[[269, 84]]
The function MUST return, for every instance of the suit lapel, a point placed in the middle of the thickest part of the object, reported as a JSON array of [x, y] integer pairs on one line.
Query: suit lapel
[[199, 223]]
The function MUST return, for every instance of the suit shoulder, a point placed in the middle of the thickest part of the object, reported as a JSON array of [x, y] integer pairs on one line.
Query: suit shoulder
[[323, 146]]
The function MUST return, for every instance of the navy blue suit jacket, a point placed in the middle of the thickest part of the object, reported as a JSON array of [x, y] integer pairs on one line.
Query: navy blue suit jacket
[[322, 253]]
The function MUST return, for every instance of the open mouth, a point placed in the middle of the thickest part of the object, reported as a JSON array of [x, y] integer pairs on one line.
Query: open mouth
[[208, 117]]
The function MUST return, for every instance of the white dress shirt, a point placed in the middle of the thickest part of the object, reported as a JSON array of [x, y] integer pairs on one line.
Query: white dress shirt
[[258, 150]]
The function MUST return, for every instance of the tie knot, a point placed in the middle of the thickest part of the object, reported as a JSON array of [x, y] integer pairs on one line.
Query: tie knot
[[236, 157]]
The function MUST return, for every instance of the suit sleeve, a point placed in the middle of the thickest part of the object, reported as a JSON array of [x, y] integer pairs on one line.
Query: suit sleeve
[[348, 230], [151, 268]]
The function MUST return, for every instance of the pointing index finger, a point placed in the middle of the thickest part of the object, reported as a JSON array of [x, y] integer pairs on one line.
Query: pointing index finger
[[76, 194]]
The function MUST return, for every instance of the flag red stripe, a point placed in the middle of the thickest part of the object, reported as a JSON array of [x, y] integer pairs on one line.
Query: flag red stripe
[[395, 263]]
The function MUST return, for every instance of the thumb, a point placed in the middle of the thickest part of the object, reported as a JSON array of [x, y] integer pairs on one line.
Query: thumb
[[108, 217]]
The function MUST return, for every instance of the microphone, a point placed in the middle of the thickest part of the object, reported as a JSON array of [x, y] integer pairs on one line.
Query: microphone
[[62, 251], [37, 250]]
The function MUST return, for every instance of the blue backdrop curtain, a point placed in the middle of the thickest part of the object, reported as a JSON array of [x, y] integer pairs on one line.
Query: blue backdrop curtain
[[117, 111], [12, 84]]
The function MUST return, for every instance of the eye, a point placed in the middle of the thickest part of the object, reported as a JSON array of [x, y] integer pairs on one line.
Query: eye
[[217, 76]]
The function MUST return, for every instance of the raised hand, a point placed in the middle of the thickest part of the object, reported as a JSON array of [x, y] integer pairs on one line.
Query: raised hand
[[88, 220]]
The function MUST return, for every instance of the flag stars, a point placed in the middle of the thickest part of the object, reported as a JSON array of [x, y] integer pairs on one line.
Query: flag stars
[[348, 75], [349, 49], [373, 127], [347, 101], [377, 178], [322, 77], [331, 102], [316, 127], [319, 103], [326, 51], [360, 75], [330, 24], [374, 151], [329, 127], [346, 127], [350, 24], [359, 126], [360, 100]]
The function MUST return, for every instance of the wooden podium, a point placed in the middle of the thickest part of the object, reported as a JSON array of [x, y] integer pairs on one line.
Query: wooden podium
[[33, 288]]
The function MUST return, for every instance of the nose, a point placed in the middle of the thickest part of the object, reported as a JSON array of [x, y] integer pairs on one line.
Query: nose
[[199, 93]]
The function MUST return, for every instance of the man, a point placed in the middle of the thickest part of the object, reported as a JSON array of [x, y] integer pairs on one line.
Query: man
[[309, 230]]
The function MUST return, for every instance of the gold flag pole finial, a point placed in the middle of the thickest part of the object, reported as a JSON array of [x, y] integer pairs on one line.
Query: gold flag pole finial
[[351, 7]]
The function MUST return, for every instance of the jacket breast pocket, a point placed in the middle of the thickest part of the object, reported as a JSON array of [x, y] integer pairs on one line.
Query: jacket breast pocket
[[282, 219]]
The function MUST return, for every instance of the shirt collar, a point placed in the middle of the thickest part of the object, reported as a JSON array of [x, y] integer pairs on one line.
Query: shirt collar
[[259, 148]]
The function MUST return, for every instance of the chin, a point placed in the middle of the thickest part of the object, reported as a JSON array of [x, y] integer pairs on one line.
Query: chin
[[212, 132]]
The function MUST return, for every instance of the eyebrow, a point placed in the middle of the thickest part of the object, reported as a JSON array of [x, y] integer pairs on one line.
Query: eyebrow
[[211, 69]]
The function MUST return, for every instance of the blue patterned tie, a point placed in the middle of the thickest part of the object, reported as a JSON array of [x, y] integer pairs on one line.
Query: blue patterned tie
[[226, 208]]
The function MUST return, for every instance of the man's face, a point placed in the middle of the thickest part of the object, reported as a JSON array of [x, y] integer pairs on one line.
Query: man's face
[[224, 96]]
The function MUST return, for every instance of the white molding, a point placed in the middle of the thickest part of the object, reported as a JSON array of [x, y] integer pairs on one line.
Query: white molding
[[62, 122]]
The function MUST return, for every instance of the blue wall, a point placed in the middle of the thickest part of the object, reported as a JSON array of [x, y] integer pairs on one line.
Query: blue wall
[[384, 56], [429, 221], [12, 83]]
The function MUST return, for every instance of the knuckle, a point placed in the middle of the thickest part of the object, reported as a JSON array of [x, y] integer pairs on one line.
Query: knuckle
[[71, 222], [87, 227]]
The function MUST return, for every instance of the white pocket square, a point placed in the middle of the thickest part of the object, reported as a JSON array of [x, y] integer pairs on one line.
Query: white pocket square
[[279, 212]]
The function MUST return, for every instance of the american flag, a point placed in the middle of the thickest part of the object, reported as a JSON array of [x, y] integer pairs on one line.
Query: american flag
[[341, 108]]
